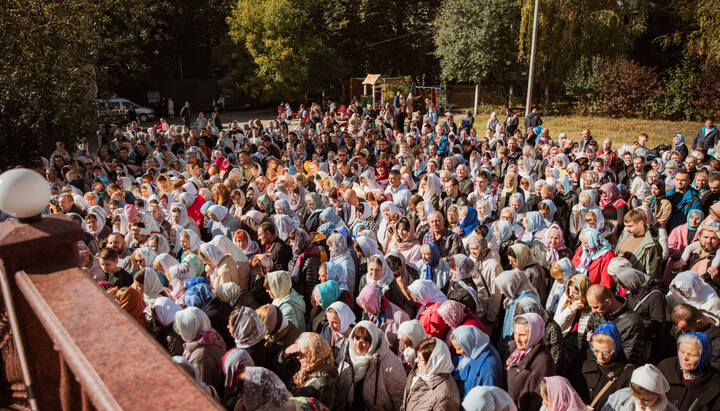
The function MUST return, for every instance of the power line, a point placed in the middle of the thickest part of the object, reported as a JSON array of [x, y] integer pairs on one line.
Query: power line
[[392, 39]]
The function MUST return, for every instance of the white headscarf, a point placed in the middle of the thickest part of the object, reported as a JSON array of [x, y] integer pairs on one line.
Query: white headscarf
[[228, 247], [360, 362], [165, 310], [195, 240], [190, 322], [427, 292], [347, 317], [440, 361]]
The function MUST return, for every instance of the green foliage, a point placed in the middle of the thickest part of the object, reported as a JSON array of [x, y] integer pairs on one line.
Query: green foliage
[[678, 100], [582, 83], [289, 59], [569, 30], [699, 32], [475, 39]]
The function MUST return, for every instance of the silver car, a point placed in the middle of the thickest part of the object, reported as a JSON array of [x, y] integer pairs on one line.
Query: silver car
[[115, 109]]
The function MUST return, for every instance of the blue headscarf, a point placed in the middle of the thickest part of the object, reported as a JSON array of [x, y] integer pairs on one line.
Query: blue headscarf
[[429, 273], [705, 351], [535, 221], [330, 216], [565, 182], [505, 230], [611, 331], [470, 222], [345, 233], [681, 141], [193, 281], [695, 211], [198, 296], [598, 244], [329, 293], [326, 229], [472, 341], [558, 289], [519, 196], [553, 208]]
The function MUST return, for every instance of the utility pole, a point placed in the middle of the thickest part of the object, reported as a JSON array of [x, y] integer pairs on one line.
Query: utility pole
[[531, 73]]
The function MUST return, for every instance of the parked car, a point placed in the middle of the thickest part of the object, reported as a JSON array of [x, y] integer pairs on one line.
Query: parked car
[[115, 110]]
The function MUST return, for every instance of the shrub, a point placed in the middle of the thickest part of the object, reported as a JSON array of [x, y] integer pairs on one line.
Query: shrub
[[626, 89]]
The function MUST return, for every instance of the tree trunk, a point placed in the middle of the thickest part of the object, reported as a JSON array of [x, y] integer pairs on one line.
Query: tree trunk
[[547, 100], [510, 96], [477, 91]]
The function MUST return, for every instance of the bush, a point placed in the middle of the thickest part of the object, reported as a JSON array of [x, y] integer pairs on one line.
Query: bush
[[707, 90], [626, 89], [678, 100]]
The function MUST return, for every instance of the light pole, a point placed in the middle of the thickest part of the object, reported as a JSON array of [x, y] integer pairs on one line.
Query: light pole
[[531, 73]]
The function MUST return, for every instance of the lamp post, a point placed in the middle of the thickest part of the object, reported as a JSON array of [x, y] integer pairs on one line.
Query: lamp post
[[531, 72]]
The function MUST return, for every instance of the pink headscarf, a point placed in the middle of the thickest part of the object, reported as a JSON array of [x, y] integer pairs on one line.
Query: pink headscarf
[[562, 395], [536, 330], [452, 312], [369, 296], [552, 253]]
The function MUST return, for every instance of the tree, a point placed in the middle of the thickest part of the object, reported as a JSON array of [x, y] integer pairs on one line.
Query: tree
[[568, 30], [476, 39], [700, 29], [289, 59]]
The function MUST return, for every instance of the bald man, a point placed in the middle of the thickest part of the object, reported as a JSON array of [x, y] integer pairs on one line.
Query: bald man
[[607, 307], [349, 208]]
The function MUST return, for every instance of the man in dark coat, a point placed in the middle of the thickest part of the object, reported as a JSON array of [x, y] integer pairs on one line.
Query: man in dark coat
[[280, 252], [533, 119], [608, 307], [706, 137]]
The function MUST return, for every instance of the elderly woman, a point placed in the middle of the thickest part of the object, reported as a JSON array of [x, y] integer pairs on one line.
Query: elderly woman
[[429, 298], [515, 286], [306, 263], [221, 221], [280, 334], [646, 392], [561, 272], [607, 370], [248, 331], [405, 241], [593, 257], [462, 286], [317, 377], [204, 347], [322, 296], [431, 386], [411, 334], [693, 381], [378, 374], [488, 398], [279, 286], [478, 363], [529, 362], [235, 362], [162, 326], [223, 269], [680, 237], [559, 395], [432, 267], [340, 254], [551, 248]]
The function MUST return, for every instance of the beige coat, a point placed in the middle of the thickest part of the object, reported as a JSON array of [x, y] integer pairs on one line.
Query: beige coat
[[229, 271], [383, 387], [440, 393]]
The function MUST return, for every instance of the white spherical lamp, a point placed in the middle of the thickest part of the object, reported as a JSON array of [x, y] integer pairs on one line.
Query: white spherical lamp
[[24, 194]]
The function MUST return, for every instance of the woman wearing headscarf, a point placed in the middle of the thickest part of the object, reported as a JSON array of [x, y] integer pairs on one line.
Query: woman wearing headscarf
[[431, 386], [478, 363], [521, 258], [529, 362], [221, 221], [377, 375], [340, 254], [559, 395], [223, 268], [190, 242], [503, 232], [462, 287], [147, 282], [573, 312], [292, 305], [246, 244], [509, 188], [515, 286], [323, 295], [179, 216], [432, 267], [282, 207], [688, 288], [382, 173], [593, 257], [692, 379], [561, 272], [646, 392], [237, 297], [383, 313], [279, 335], [488, 398], [466, 228], [95, 225], [564, 190], [262, 390], [658, 203], [612, 204], [306, 263], [341, 320], [680, 237], [204, 347], [607, 370], [162, 326], [199, 294], [648, 301], [178, 274], [535, 228], [316, 206], [234, 362], [248, 332], [405, 241], [551, 248], [317, 377], [487, 268], [411, 334], [429, 298], [586, 203]]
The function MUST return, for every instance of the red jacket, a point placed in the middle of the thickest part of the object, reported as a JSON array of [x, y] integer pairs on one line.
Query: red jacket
[[433, 324], [194, 211], [597, 272]]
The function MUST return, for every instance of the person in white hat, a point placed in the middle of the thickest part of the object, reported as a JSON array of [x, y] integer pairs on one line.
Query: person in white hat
[[646, 392]]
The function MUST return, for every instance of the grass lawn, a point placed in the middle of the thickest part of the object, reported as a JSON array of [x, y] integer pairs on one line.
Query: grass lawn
[[621, 130]]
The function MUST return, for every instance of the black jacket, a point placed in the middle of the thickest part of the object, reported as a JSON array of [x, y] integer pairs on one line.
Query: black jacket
[[594, 377], [631, 327], [218, 311], [523, 378], [683, 393], [532, 120]]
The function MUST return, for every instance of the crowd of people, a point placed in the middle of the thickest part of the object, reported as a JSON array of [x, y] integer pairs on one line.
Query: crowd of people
[[354, 258]]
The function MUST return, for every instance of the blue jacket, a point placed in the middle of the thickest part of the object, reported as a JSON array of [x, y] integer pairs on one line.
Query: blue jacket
[[681, 205], [486, 369]]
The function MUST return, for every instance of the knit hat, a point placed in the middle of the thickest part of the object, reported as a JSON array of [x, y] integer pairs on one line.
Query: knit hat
[[130, 211]]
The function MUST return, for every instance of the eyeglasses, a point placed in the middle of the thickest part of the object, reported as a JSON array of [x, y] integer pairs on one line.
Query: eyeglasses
[[604, 353]]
